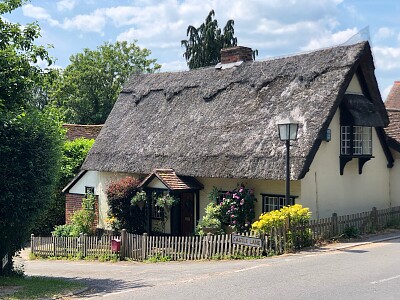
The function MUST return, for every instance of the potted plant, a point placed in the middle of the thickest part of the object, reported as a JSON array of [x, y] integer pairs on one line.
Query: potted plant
[[210, 223], [166, 201], [139, 199]]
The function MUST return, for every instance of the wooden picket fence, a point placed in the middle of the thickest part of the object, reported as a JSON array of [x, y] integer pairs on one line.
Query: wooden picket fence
[[142, 247], [365, 222], [72, 246], [278, 241]]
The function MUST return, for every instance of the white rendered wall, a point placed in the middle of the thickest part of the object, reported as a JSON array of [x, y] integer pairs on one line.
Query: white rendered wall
[[325, 191], [395, 180]]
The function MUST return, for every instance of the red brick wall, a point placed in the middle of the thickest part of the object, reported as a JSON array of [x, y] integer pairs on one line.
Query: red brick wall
[[73, 202], [75, 131], [235, 54]]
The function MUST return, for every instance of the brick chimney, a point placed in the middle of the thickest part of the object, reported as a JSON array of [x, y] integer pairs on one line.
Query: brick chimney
[[235, 54]]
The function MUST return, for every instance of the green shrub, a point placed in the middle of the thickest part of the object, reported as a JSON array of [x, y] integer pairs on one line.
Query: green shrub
[[81, 221], [122, 213], [237, 207], [211, 219], [351, 232], [293, 218], [73, 154]]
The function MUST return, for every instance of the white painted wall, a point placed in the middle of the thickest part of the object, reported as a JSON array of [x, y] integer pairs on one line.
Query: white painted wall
[[325, 191], [100, 182], [90, 179], [395, 180]]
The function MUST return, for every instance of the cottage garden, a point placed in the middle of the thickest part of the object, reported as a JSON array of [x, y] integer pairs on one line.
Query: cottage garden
[[228, 215]]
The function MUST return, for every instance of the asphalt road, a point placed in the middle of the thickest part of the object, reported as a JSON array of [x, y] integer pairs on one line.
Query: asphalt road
[[365, 272]]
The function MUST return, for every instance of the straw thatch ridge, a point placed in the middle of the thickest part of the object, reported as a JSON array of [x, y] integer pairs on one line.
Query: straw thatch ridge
[[223, 123]]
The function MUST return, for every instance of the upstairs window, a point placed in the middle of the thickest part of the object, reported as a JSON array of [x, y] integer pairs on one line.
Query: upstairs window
[[356, 140]]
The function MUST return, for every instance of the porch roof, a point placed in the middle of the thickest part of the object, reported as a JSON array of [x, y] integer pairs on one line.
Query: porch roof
[[173, 181]]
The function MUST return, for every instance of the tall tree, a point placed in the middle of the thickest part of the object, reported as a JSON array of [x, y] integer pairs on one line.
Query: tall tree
[[30, 139], [92, 82], [203, 47]]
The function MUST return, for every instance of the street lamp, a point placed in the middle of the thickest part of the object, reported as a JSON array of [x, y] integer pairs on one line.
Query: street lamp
[[288, 132]]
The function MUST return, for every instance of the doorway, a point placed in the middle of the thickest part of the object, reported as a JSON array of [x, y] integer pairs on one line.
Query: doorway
[[187, 214]]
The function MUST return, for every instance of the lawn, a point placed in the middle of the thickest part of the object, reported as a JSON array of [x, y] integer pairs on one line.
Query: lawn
[[13, 288]]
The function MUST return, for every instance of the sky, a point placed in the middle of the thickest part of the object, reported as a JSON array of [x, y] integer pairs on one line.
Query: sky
[[273, 27]]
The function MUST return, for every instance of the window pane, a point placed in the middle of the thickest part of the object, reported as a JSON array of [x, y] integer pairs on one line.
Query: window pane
[[345, 140], [367, 140]]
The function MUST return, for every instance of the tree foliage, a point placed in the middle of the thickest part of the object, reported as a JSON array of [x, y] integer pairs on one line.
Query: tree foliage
[[30, 153], [18, 55], [122, 214], [73, 154], [91, 84], [204, 44], [31, 139]]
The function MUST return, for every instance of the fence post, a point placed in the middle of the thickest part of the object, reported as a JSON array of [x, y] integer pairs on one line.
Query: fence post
[[374, 217], [32, 243], [144, 245], [53, 237], [80, 243], [123, 246], [335, 227], [208, 245], [85, 244]]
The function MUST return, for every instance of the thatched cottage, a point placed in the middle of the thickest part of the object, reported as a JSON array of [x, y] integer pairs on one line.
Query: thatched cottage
[[187, 132]]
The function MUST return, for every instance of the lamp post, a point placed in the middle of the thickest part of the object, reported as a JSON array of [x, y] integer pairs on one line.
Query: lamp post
[[288, 132]]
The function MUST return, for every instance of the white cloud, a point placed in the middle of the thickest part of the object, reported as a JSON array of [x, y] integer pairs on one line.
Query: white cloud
[[384, 33], [86, 23], [66, 5], [328, 39], [35, 12], [387, 58], [171, 66]]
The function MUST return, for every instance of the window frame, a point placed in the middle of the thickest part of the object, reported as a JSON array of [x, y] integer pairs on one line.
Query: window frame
[[280, 198], [89, 190], [355, 143]]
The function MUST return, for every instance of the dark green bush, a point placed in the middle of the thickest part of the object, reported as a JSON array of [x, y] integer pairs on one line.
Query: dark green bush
[[73, 154], [122, 214]]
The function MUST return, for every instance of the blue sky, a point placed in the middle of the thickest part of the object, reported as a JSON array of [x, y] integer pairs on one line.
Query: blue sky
[[274, 27]]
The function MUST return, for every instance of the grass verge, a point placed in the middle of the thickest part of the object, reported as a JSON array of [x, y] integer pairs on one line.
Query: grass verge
[[14, 288]]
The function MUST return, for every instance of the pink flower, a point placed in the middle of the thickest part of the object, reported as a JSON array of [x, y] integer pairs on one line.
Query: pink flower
[[232, 216], [242, 202], [241, 190], [234, 222], [232, 206]]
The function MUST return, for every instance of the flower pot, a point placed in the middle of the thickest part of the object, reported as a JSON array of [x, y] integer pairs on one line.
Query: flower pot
[[210, 230], [228, 229], [140, 204]]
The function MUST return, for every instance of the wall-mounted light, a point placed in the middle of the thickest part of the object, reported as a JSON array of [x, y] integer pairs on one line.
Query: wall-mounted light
[[328, 135]]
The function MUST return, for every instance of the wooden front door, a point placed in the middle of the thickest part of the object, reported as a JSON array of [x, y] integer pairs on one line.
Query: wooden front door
[[187, 213]]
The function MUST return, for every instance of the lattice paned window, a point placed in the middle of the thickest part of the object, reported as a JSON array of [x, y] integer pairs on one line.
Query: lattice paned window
[[355, 140], [274, 202], [345, 140]]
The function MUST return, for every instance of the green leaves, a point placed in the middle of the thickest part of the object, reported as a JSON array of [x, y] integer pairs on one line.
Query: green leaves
[[205, 43], [92, 82]]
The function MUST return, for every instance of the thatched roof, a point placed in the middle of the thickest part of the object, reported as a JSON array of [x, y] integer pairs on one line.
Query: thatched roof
[[223, 122]]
